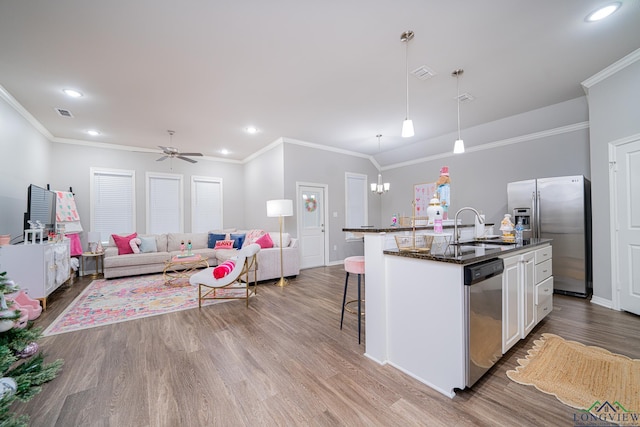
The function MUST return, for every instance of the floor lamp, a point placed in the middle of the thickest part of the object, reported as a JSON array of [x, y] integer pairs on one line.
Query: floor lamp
[[280, 208]]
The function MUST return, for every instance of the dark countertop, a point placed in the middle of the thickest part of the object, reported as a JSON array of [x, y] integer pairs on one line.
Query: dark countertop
[[391, 229], [471, 254]]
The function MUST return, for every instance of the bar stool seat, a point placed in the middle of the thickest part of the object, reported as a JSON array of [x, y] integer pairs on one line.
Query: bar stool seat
[[355, 265]]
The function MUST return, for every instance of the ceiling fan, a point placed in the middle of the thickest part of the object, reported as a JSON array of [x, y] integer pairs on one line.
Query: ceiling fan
[[171, 152]]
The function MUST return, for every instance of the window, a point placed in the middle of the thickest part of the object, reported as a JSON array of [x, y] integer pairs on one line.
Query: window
[[206, 204], [165, 203], [112, 202], [355, 201]]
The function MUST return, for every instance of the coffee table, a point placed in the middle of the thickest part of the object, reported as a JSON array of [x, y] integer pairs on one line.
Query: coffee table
[[179, 267]]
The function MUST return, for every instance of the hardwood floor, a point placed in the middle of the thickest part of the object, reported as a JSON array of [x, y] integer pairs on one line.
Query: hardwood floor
[[284, 361]]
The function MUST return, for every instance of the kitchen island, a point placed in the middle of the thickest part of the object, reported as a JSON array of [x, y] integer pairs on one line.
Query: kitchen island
[[415, 302]]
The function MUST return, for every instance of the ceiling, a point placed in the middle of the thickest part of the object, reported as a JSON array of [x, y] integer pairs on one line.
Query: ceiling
[[326, 72]]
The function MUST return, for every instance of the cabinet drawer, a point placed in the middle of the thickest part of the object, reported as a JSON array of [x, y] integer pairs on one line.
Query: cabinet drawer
[[543, 271], [544, 290], [543, 254], [544, 307]]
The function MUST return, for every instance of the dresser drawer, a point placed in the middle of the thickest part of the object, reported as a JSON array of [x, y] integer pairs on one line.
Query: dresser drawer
[[543, 271], [544, 307], [543, 254], [543, 290]]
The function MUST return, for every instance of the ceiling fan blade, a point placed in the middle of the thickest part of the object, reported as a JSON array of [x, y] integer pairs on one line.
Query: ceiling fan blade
[[191, 154], [161, 158], [187, 159]]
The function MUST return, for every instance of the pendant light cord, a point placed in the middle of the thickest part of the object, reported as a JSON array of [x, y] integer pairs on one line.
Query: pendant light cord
[[458, 99], [406, 64]]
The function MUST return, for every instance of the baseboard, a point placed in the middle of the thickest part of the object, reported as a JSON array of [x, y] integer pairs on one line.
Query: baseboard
[[602, 301]]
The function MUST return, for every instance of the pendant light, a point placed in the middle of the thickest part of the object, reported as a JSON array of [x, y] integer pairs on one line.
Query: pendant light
[[379, 187], [458, 146], [407, 125]]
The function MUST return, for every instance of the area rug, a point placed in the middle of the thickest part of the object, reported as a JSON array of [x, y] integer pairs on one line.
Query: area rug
[[106, 302], [590, 379]]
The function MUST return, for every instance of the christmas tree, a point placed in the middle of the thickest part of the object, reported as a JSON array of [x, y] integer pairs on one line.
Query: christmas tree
[[22, 367]]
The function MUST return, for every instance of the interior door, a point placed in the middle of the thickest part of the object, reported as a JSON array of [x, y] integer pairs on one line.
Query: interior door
[[627, 159], [312, 230]]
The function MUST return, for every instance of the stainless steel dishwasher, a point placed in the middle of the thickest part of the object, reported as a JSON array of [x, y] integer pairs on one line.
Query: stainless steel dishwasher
[[483, 304]]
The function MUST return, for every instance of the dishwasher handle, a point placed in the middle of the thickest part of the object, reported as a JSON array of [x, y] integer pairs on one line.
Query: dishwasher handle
[[475, 273]]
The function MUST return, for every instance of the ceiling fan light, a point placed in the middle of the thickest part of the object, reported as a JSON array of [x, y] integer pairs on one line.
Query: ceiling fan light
[[458, 146], [407, 128]]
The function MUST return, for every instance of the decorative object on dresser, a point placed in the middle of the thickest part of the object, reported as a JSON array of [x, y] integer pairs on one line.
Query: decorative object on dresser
[[280, 208]]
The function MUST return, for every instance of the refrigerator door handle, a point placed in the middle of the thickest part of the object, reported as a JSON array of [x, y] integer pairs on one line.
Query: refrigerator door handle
[[538, 222], [534, 214]]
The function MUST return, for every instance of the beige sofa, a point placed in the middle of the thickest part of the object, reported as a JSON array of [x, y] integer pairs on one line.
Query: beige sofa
[[168, 245]]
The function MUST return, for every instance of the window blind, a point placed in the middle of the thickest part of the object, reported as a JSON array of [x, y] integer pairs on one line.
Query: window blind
[[112, 197], [206, 204], [164, 203]]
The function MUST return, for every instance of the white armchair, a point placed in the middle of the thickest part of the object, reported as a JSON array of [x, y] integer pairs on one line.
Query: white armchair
[[235, 285]]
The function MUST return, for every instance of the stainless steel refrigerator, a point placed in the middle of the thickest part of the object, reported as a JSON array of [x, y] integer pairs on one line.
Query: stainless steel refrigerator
[[560, 209]]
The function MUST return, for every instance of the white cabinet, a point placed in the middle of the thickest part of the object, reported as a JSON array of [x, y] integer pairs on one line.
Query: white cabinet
[[38, 269], [544, 283], [518, 298]]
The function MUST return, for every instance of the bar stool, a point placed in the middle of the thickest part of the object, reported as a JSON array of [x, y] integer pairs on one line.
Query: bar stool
[[355, 265]]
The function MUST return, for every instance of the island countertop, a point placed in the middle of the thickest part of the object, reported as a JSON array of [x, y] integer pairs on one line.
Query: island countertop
[[467, 254]]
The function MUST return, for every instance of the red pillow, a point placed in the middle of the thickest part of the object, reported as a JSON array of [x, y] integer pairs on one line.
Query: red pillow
[[223, 269], [265, 241], [122, 242], [224, 244]]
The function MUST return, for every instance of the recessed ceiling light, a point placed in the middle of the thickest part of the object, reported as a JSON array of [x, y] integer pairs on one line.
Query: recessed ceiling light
[[93, 132], [603, 12], [252, 129], [72, 93], [224, 151]]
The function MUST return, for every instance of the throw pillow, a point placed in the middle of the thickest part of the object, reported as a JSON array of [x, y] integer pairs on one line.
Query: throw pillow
[[223, 269], [148, 244], [252, 236], [135, 245], [224, 244], [122, 242], [213, 238], [265, 241], [238, 240]]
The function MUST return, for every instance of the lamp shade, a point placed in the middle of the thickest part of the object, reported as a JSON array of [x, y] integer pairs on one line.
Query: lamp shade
[[93, 236], [458, 147], [280, 207], [407, 128]]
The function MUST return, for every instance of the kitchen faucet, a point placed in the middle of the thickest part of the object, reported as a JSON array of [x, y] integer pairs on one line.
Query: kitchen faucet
[[456, 237]]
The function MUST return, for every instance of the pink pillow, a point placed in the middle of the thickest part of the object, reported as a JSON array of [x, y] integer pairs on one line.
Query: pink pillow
[[135, 245], [223, 269], [122, 242], [224, 244], [265, 241]]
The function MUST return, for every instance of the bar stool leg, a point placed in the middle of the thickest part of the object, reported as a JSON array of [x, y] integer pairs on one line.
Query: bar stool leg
[[359, 309], [344, 298]]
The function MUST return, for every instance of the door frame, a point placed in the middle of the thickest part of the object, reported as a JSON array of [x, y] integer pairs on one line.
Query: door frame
[[614, 227], [325, 189]]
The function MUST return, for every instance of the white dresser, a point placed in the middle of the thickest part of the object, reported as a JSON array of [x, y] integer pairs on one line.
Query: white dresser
[[38, 269]]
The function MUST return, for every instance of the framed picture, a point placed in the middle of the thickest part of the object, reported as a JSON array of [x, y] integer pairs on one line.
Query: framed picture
[[422, 193]]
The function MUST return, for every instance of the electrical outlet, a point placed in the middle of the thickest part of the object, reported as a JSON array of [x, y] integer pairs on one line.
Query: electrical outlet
[[335, 247], [335, 214]]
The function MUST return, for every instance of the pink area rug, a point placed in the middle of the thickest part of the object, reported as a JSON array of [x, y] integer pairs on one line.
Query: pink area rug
[[105, 302]]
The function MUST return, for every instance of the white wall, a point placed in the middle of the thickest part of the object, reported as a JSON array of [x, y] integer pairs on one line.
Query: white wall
[[25, 155], [614, 113], [308, 164], [264, 179]]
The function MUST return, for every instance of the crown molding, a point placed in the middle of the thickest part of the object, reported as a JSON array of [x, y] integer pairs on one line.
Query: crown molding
[[4, 94], [491, 145], [611, 70]]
